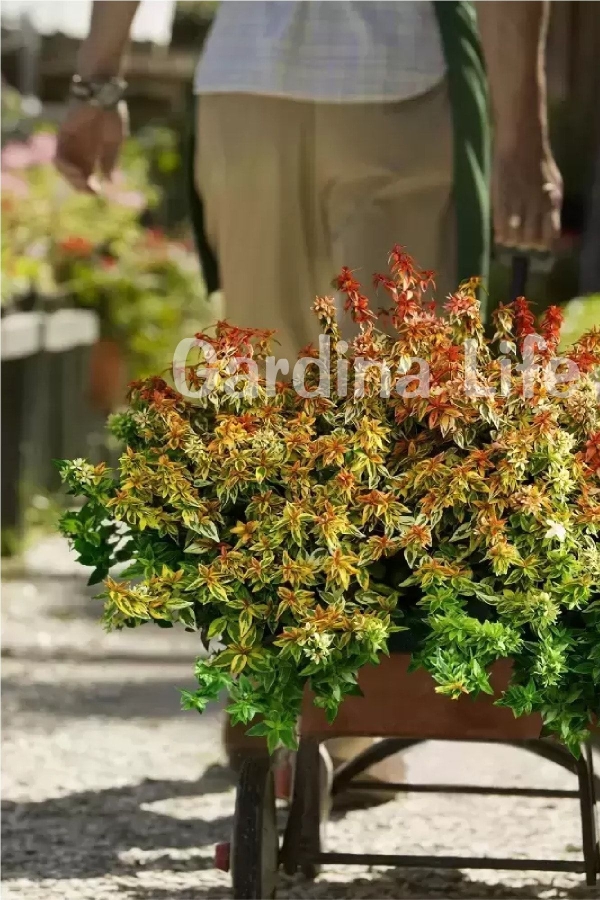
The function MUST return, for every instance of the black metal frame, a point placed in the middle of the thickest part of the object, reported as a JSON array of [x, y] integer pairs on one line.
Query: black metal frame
[[302, 844]]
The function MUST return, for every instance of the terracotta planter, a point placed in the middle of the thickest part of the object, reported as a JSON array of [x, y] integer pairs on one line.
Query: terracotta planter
[[107, 376], [397, 703]]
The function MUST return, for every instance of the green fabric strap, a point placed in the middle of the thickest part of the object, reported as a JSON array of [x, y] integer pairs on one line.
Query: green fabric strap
[[467, 84], [208, 260]]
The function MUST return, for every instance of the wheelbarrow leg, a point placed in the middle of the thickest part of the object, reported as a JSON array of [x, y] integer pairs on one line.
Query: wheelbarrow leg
[[587, 800], [308, 810]]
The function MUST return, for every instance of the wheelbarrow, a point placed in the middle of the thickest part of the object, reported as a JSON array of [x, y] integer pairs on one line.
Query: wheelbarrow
[[402, 709]]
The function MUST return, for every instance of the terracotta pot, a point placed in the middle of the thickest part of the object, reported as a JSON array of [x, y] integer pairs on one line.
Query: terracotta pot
[[397, 703], [108, 375]]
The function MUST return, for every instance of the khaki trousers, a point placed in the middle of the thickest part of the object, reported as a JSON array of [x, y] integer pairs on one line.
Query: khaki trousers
[[294, 190]]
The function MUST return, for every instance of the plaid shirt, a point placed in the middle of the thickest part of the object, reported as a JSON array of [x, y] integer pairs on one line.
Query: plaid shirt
[[323, 50]]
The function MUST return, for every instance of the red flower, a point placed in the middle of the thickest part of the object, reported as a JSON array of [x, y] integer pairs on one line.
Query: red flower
[[462, 306], [356, 303], [406, 304], [586, 352], [155, 390], [309, 351], [551, 325], [426, 279], [346, 282], [401, 264], [524, 318], [584, 361], [75, 245], [388, 283], [592, 452], [155, 236]]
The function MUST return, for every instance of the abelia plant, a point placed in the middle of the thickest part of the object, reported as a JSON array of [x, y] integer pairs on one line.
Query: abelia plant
[[298, 534]]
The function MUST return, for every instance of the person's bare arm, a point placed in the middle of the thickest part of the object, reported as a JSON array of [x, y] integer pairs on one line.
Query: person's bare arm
[[101, 53], [91, 137], [526, 184]]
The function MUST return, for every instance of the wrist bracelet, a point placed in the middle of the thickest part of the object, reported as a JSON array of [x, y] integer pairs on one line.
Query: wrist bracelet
[[103, 92]]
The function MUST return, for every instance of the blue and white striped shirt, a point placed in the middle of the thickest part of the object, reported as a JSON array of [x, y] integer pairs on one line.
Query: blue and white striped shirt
[[323, 50]]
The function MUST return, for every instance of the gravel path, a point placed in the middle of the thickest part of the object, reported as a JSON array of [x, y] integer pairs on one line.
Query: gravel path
[[110, 791]]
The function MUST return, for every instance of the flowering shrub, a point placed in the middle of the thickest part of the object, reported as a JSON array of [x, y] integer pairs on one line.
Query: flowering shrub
[[44, 222], [94, 251], [148, 289], [298, 533]]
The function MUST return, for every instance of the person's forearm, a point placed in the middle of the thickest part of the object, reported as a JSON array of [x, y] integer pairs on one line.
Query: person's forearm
[[513, 37], [101, 54]]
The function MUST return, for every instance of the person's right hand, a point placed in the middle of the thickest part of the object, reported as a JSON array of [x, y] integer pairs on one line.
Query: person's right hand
[[90, 138], [527, 194]]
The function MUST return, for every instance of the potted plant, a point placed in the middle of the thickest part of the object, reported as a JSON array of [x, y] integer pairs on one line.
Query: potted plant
[[426, 489]]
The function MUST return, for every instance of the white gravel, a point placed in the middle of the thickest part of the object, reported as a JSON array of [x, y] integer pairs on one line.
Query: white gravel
[[110, 791]]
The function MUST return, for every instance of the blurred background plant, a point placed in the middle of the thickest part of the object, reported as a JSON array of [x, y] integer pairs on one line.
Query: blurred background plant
[[96, 291], [62, 248]]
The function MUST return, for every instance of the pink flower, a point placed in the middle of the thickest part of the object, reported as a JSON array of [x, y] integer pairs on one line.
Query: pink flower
[[130, 199], [43, 147], [17, 156], [12, 184]]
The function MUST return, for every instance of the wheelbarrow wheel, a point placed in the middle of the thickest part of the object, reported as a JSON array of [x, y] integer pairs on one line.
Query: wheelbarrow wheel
[[255, 844]]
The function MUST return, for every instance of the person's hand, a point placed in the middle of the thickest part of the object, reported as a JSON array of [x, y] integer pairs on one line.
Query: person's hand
[[89, 139], [526, 196]]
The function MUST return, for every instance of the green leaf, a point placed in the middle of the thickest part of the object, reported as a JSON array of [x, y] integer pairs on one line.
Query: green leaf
[[258, 730], [98, 575], [273, 741], [216, 627]]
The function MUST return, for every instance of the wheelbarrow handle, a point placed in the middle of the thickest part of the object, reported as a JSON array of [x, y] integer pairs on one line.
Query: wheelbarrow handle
[[519, 275]]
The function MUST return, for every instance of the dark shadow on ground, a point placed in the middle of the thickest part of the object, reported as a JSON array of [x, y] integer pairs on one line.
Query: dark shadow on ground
[[123, 657], [416, 884], [148, 699], [82, 835]]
